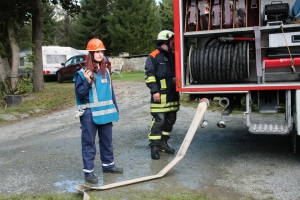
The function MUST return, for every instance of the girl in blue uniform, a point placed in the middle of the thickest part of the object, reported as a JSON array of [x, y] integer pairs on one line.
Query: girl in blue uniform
[[97, 106]]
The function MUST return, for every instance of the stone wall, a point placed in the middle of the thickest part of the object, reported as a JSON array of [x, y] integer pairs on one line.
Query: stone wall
[[131, 63]]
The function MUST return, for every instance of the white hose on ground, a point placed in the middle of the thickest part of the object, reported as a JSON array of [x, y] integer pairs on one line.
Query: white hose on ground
[[183, 148]]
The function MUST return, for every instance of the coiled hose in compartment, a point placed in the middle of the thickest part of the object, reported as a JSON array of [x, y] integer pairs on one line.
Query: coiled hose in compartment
[[219, 63]]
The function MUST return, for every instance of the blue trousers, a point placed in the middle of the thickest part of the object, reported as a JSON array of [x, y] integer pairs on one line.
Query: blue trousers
[[88, 136]]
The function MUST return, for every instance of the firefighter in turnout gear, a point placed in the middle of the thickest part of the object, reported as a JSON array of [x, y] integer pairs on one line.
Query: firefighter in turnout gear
[[164, 103], [98, 108]]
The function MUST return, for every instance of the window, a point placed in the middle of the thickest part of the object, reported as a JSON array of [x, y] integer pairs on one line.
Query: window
[[54, 59], [81, 58], [71, 60], [22, 62], [76, 59]]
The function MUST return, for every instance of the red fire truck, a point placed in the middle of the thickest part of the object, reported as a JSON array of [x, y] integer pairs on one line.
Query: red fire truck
[[242, 50]]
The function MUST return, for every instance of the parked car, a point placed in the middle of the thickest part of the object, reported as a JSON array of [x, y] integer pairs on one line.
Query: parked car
[[71, 66]]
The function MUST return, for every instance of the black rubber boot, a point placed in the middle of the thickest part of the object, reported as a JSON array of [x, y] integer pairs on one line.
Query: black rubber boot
[[154, 152], [166, 148]]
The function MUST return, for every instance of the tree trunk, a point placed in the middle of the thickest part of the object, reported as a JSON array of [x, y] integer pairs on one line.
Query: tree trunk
[[4, 72], [4, 69], [15, 50], [38, 80]]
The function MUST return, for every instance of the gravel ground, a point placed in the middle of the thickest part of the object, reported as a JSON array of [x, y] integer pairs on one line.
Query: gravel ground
[[43, 155]]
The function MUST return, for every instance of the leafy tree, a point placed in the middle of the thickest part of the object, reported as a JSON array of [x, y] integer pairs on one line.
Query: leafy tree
[[24, 35], [71, 7], [49, 24], [13, 13], [90, 23], [16, 12], [56, 28], [64, 31], [133, 26], [167, 15]]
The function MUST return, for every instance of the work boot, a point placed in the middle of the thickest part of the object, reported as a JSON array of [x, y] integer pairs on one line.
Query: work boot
[[91, 178], [114, 170], [166, 148], [154, 152]]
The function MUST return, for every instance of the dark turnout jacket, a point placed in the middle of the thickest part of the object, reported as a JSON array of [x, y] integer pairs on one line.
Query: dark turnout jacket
[[160, 77]]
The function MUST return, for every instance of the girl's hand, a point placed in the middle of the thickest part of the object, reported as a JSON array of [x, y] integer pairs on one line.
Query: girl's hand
[[87, 74]]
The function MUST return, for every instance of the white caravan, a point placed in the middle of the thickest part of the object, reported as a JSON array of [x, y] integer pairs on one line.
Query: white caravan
[[53, 56]]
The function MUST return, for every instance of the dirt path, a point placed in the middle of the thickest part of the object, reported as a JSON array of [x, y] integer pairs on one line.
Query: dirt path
[[43, 155]]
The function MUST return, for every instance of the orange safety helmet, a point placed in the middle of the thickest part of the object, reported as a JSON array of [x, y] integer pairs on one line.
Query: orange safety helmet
[[95, 45]]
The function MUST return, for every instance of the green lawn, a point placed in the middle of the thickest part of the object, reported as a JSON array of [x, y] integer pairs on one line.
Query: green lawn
[[130, 76], [56, 96]]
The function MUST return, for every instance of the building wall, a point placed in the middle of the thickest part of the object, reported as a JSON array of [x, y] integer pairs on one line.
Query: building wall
[[131, 64]]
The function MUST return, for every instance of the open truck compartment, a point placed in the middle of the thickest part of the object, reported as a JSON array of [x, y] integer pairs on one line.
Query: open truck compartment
[[242, 50], [237, 45]]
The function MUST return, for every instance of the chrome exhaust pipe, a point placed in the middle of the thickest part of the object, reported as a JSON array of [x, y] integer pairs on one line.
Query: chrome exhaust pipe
[[224, 102]]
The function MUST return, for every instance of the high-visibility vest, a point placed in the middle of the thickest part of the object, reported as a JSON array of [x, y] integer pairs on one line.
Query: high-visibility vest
[[101, 101]]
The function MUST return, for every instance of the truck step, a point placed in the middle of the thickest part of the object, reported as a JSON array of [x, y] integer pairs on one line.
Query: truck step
[[276, 129], [268, 101]]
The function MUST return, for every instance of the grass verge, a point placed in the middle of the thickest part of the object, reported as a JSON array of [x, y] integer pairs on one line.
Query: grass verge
[[55, 97]]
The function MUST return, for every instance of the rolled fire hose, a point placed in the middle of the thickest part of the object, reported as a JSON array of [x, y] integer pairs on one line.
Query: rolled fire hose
[[183, 148]]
